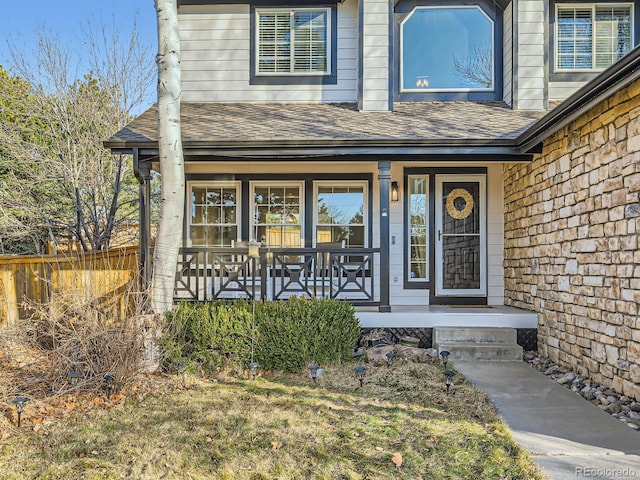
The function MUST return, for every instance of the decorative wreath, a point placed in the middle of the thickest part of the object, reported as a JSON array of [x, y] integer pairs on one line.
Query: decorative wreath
[[452, 210]]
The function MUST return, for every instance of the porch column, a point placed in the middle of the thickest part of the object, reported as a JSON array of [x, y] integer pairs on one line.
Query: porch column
[[384, 179], [143, 174]]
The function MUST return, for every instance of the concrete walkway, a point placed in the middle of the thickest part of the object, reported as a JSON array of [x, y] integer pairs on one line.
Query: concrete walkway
[[567, 436]]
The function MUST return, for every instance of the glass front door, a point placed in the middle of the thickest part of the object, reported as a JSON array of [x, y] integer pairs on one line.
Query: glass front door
[[460, 235]]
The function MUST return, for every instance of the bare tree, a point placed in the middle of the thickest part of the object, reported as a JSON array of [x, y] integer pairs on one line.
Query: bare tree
[[475, 70], [58, 170], [169, 237]]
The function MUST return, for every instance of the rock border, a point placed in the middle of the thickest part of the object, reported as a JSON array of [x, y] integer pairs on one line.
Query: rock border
[[619, 406]]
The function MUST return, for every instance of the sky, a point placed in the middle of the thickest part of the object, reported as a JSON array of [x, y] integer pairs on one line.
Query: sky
[[21, 20]]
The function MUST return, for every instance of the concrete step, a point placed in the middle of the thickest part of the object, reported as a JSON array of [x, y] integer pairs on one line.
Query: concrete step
[[482, 351], [478, 343], [474, 335]]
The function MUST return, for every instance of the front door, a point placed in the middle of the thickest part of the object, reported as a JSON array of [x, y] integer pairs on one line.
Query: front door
[[460, 236]]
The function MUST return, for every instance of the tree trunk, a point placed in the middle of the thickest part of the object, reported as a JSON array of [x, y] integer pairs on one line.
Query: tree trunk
[[169, 237]]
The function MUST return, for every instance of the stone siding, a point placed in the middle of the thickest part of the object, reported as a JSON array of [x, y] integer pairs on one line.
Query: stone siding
[[572, 221]]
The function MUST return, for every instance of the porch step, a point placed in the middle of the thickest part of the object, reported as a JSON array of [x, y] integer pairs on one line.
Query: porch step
[[478, 343]]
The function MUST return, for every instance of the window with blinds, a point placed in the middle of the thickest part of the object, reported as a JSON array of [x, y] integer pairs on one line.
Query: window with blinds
[[293, 41], [592, 36]]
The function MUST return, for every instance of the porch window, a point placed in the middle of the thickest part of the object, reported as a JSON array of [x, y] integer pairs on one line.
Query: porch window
[[214, 215], [418, 228], [592, 36], [341, 213], [447, 49], [293, 41], [278, 217]]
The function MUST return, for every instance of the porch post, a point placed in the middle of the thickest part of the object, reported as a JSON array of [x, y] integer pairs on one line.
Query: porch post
[[384, 179], [143, 174]]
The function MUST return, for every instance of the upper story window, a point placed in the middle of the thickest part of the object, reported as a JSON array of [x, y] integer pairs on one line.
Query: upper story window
[[447, 49], [293, 41], [592, 36]]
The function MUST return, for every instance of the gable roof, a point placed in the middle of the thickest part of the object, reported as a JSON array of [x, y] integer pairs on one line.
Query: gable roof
[[302, 129]]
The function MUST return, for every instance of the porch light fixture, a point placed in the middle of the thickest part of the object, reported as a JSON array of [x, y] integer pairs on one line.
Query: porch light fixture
[[360, 369], [19, 402], [74, 378], [314, 372], [390, 357], [448, 379], [445, 357], [253, 370], [394, 192], [110, 380], [181, 372]]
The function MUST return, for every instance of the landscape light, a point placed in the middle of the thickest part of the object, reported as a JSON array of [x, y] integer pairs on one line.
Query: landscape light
[[74, 378], [110, 380], [448, 378], [390, 357], [313, 372], [20, 401], [445, 357], [360, 369]]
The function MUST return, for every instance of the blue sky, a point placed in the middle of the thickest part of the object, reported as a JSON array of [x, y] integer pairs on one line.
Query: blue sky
[[21, 20]]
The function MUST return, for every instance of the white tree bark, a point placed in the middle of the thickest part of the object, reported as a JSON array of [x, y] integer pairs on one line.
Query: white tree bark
[[169, 237]]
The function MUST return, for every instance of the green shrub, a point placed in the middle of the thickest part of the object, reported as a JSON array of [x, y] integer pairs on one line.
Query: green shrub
[[288, 334]]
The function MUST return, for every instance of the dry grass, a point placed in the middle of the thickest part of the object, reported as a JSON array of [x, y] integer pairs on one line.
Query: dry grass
[[280, 427]]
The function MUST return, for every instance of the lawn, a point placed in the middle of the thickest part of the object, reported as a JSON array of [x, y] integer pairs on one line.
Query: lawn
[[400, 424]]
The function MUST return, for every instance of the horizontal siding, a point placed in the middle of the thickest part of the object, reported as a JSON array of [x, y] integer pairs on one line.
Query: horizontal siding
[[531, 55], [375, 55], [561, 90], [215, 42]]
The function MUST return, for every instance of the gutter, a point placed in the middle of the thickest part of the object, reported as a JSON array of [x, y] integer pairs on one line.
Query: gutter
[[617, 76]]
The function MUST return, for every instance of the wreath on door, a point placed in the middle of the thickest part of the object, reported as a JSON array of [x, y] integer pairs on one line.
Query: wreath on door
[[452, 210]]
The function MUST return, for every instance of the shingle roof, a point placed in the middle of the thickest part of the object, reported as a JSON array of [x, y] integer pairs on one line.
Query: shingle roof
[[239, 124]]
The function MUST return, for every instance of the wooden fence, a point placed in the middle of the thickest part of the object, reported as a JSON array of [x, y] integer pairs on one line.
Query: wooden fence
[[107, 280]]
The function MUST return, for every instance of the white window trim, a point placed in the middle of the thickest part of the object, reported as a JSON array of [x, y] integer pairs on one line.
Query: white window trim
[[410, 279], [592, 6], [213, 183], [434, 90], [274, 183], [291, 72], [347, 183]]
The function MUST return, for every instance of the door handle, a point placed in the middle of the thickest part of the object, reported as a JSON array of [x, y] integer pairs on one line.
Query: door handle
[[439, 235]]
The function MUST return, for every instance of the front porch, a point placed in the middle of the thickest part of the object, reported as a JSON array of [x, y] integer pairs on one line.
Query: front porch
[[265, 273], [448, 316]]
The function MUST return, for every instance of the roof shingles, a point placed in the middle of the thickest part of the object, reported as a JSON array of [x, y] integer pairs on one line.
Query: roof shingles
[[244, 123]]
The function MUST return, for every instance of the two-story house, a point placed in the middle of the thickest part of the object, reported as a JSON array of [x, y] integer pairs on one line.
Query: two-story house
[[363, 143]]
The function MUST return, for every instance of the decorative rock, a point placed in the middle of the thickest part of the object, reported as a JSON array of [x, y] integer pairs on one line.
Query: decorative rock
[[413, 354], [635, 407], [551, 370], [529, 356], [378, 355], [633, 425], [566, 378], [614, 408]]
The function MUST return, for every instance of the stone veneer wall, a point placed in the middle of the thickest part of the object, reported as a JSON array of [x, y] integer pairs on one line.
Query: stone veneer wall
[[572, 222]]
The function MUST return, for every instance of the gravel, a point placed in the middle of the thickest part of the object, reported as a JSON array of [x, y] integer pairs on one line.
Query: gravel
[[619, 406]]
